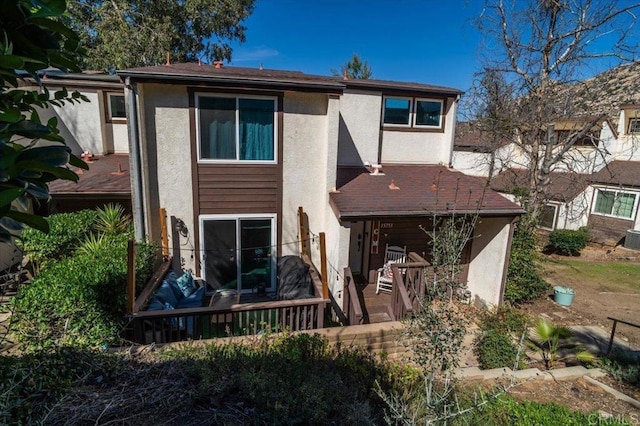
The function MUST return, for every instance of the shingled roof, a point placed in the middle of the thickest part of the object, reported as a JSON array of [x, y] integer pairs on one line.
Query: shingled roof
[[227, 75], [619, 173], [564, 186], [415, 190], [103, 177]]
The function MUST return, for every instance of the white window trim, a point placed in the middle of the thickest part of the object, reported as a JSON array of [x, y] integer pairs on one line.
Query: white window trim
[[237, 217], [384, 108], [555, 217], [415, 114], [616, 190], [109, 112], [198, 95]]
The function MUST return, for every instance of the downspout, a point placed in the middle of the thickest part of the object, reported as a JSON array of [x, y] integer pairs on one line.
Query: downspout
[[453, 130], [137, 199]]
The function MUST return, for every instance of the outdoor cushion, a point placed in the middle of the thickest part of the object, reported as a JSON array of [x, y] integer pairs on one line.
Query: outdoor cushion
[[172, 279], [165, 294], [155, 304], [185, 284], [194, 300]]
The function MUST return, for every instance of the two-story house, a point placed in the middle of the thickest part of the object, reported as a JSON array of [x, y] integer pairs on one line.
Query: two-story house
[[231, 153]]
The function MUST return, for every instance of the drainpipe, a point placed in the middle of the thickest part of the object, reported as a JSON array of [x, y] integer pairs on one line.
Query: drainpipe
[[453, 130], [137, 199]]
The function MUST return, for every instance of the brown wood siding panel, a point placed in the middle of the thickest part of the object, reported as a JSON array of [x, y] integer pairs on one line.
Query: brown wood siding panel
[[237, 188], [608, 230]]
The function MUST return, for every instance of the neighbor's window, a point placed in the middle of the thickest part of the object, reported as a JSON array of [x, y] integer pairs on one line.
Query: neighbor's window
[[413, 112], [548, 217], [615, 203], [116, 106], [634, 125], [397, 111], [428, 113], [236, 128]]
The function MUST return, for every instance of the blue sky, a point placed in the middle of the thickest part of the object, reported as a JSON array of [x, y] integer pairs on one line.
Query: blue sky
[[428, 41]]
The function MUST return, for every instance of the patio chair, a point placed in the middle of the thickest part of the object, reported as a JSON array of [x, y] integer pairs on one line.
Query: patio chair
[[392, 254]]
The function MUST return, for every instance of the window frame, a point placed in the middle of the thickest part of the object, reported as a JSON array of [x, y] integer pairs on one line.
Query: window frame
[[556, 208], [384, 110], [109, 113], [237, 97], [413, 106], [237, 218], [616, 191], [633, 121], [415, 113]]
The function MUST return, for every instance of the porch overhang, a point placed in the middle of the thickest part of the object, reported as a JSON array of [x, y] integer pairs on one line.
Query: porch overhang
[[415, 191]]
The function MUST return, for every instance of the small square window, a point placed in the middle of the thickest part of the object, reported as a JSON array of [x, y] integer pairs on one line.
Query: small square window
[[634, 125], [428, 113], [116, 106], [397, 111], [548, 217]]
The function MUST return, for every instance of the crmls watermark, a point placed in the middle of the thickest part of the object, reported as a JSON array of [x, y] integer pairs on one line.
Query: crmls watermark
[[604, 419]]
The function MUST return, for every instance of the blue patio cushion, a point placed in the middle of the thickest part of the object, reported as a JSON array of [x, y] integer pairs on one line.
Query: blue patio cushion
[[185, 284], [155, 304], [172, 279], [194, 300], [165, 294]]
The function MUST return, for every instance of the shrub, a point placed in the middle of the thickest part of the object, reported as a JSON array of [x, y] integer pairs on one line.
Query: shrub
[[66, 232], [506, 319], [507, 411], [112, 219], [496, 349], [622, 367], [78, 300], [569, 242], [524, 282]]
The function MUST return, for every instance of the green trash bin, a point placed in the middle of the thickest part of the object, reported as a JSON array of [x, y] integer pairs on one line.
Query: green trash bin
[[563, 295]]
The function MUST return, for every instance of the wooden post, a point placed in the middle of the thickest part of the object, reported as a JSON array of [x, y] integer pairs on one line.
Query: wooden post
[[323, 266], [164, 232], [303, 233], [131, 276]]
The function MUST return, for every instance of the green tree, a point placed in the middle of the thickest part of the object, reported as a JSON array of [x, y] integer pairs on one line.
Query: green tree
[[32, 153], [122, 34], [355, 68]]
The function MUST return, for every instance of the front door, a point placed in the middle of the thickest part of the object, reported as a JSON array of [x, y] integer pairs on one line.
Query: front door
[[356, 247]]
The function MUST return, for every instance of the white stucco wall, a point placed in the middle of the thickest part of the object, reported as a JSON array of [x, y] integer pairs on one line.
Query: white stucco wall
[[79, 123], [166, 159], [360, 114], [472, 163], [488, 257], [120, 138]]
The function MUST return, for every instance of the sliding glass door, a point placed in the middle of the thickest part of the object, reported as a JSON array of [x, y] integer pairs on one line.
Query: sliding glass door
[[238, 252]]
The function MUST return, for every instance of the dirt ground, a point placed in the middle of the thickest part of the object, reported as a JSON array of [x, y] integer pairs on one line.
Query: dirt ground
[[593, 303]]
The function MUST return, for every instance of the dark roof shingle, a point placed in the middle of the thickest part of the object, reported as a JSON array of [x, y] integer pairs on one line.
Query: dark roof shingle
[[103, 176], [416, 190]]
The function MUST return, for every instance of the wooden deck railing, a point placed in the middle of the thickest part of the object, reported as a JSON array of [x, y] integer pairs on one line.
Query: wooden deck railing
[[238, 319], [352, 306], [409, 285]]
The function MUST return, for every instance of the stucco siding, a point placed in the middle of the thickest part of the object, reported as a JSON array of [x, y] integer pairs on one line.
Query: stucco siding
[[304, 164], [472, 163], [359, 135], [486, 269], [166, 159]]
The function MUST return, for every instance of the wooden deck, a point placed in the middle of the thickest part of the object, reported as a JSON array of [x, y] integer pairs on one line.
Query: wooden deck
[[375, 307]]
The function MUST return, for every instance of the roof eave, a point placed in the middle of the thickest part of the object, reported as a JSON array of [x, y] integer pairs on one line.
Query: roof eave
[[358, 215], [280, 83]]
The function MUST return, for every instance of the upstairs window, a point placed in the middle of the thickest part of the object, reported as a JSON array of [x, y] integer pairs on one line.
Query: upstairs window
[[418, 113], [115, 107], [634, 125], [615, 203], [236, 128]]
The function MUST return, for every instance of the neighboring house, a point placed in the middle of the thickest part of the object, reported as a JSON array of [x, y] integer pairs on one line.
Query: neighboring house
[[231, 153], [97, 129]]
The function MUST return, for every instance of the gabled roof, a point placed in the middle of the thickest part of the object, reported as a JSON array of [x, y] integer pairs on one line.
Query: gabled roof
[[415, 190], [268, 78], [564, 186], [103, 177], [619, 173]]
